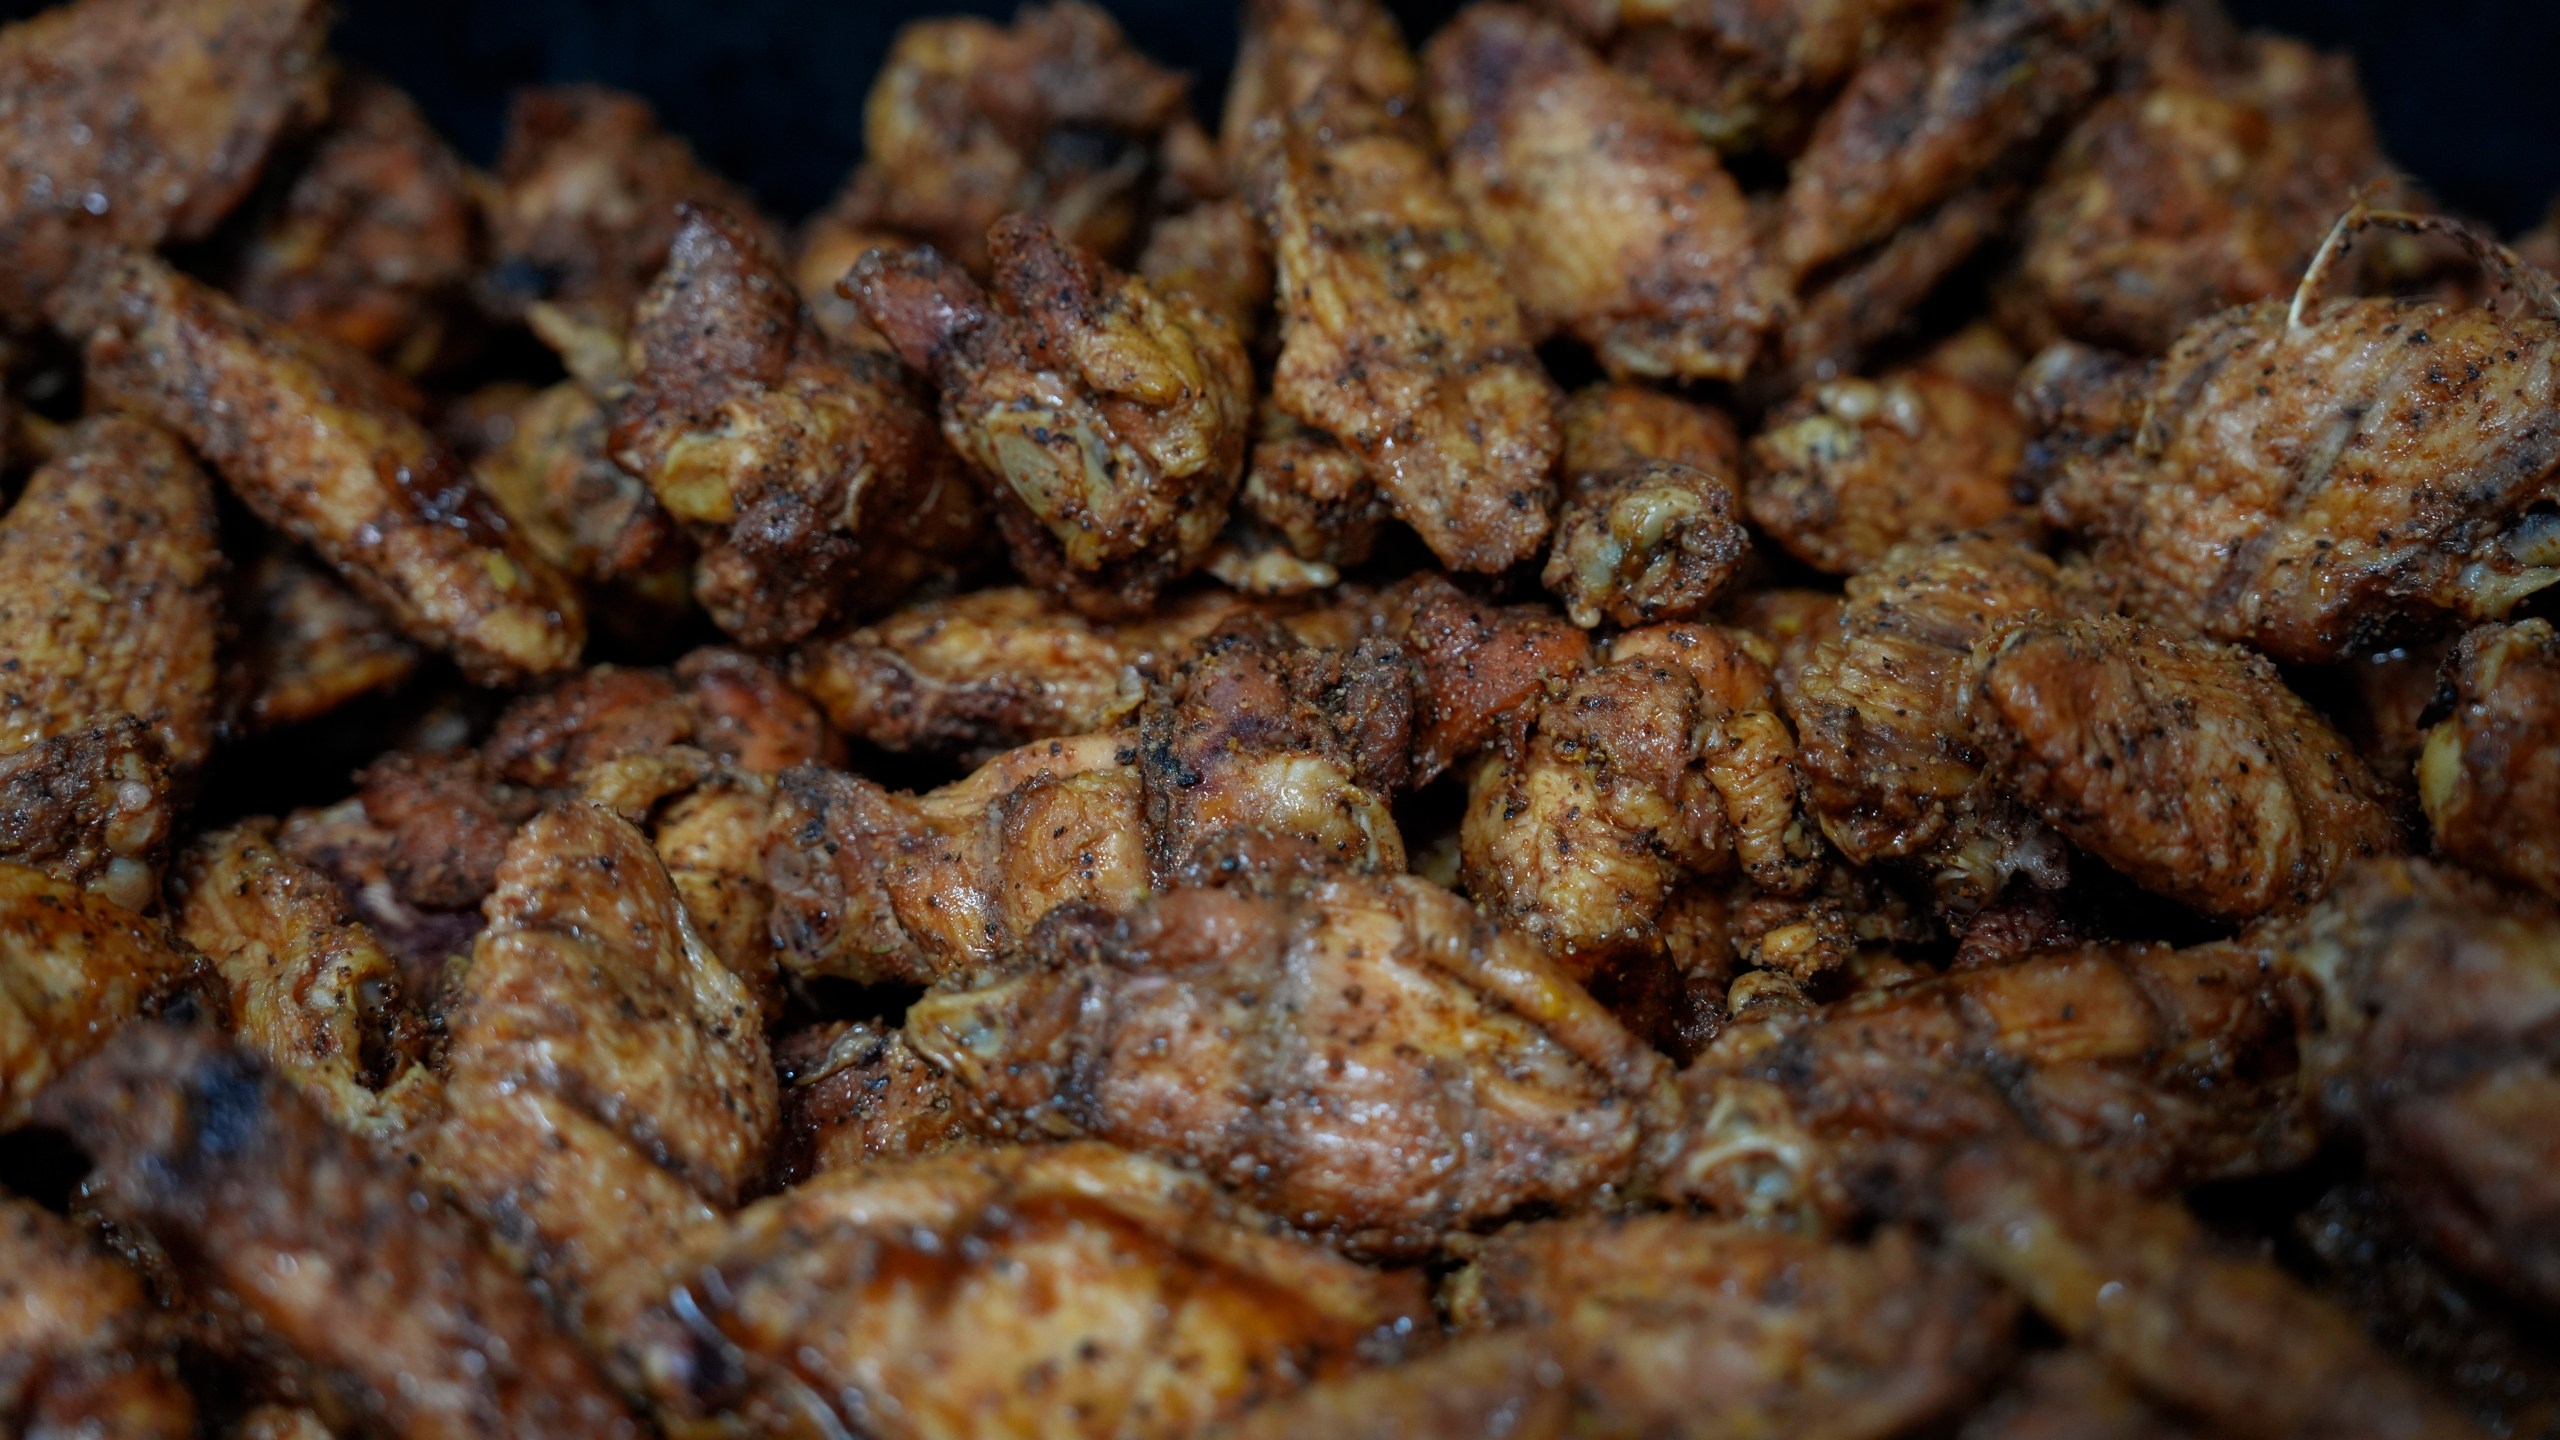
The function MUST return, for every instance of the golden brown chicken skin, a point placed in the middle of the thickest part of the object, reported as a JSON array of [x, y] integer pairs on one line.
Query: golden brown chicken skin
[[1367, 1059], [74, 968], [2309, 484], [1617, 426], [1053, 1291], [1214, 254], [1476, 664], [1304, 488], [375, 241], [2186, 764], [588, 186], [1658, 541], [609, 1088], [109, 598], [1109, 420], [93, 806], [134, 122], [384, 1305], [1054, 117], [81, 1350], [309, 439], [1840, 320], [553, 476], [1614, 220], [2207, 183], [311, 990], [1503, 1382], [853, 1093], [2489, 776], [306, 644], [1399, 335], [808, 472], [1851, 468]]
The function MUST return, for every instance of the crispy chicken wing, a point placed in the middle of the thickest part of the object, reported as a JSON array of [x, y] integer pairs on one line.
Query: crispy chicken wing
[[1658, 541], [809, 471], [825, 250], [1613, 219], [853, 1093], [1399, 336], [131, 122], [2309, 482], [93, 806], [1851, 468], [2185, 764], [2490, 774], [74, 967], [1109, 419], [307, 644], [2205, 184], [553, 477], [311, 990], [1369, 1059], [81, 1351], [1215, 256], [1618, 426], [1839, 321], [1056, 1291], [1054, 117], [1304, 487], [109, 596], [1476, 665], [375, 242], [307, 437], [288, 1231], [586, 200]]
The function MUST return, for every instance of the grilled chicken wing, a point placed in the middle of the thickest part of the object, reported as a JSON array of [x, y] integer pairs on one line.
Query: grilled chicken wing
[[2185, 764], [1477, 665], [1613, 219], [1877, 702], [1304, 487], [307, 644], [1368, 1059], [1109, 419], [1851, 468], [2490, 774], [2206, 184], [132, 122], [853, 1093], [1660, 541], [808, 471], [1064, 1290], [311, 990], [586, 200], [609, 1088], [553, 477], [81, 1351], [307, 437], [375, 242], [1398, 334], [286, 1229], [74, 967], [1054, 117], [2310, 481]]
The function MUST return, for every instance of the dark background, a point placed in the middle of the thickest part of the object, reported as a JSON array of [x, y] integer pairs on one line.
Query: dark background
[[770, 91]]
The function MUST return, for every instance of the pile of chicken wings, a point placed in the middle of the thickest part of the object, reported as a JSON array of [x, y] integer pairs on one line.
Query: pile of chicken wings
[[1678, 718]]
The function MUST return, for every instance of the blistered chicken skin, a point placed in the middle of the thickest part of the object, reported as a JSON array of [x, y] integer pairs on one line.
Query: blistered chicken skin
[[2489, 776], [81, 1349]]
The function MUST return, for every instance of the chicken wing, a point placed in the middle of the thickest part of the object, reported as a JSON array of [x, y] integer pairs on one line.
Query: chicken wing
[[829, 244], [74, 967], [1851, 468], [1398, 334], [134, 122], [2071, 1395], [93, 806], [1305, 488], [311, 991], [307, 645], [553, 477], [1064, 1290], [809, 472], [307, 437], [1613, 219], [286, 1229], [2187, 765], [1660, 541], [2311, 481], [1477, 666], [1054, 117], [586, 200], [81, 1351], [109, 595], [2206, 184], [609, 1088], [1215, 256], [375, 242], [2490, 774], [1505, 1383], [1109, 420], [852, 1094], [1366, 1059]]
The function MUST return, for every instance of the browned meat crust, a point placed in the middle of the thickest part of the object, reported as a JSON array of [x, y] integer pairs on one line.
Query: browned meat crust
[[2490, 774], [91, 806]]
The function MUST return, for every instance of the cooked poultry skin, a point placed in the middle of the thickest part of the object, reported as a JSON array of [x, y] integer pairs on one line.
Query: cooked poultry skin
[[1303, 486], [1398, 334], [307, 645], [553, 477], [2071, 1395], [1619, 426], [307, 438], [81, 1350], [1612, 217], [809, 472], [1059, 1290], [134, 122], [2489, 776], [853, 1093], [282, 1224], [2185, 764], [1108, 418], [1659, 541], [74, 967], [586, 200], [93, 806], [1214, 255], [1366, 1059], [376, 240], [1476, 665], [2311, 480]]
